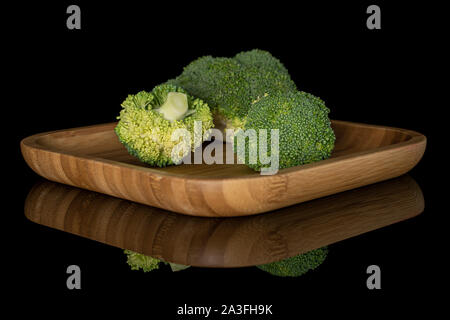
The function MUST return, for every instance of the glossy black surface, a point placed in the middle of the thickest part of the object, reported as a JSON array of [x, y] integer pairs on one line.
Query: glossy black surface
[[58, 78]]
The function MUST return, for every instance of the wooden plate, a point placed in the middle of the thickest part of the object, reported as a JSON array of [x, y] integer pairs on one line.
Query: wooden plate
[[92, 158], [223, 242]]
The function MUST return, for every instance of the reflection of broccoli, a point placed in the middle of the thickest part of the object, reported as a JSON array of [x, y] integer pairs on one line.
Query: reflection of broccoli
[[290, 267], [140, 261], [297, 265], [305, 133], [148, 120]]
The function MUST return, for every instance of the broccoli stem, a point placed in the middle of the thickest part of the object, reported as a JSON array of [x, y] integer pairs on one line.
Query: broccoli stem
[[175, 107]]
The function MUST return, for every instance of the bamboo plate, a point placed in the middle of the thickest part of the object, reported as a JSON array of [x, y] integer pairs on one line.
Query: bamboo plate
[[92, 158], [223, 242]]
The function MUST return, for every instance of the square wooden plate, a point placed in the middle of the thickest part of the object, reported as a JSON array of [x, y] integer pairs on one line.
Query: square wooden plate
[[93, 158]]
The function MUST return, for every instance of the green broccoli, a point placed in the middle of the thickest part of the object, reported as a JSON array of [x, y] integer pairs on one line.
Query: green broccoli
[[297, 265], [261, 59], [304, 130], [148, 121], [221, 83], [265, 73], [252, 90], [230, 85], [140, 261]]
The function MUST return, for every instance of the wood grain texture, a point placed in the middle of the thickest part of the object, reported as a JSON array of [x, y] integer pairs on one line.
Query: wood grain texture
[[223, 242], [92, 158]]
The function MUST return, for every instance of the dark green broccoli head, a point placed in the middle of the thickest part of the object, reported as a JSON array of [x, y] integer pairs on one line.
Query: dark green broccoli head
[[261, 59], [297, 265], [148, 121], [221, 83], [230, 85], [265, 73], [304, 129]]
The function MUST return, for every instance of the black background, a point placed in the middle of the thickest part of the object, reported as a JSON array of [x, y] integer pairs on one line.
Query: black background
[[67, 78]]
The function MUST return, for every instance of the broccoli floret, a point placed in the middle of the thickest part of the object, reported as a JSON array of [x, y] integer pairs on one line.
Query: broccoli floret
[[297, 265], [304, 129], [148, 120], [221, 83], [265, 73], [230, 85], [139, 261], [261, 59]]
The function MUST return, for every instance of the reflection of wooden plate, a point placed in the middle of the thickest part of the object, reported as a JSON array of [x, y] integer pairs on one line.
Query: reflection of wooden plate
[[92, 158], [223, 242]]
